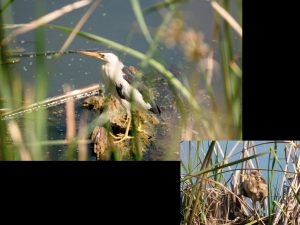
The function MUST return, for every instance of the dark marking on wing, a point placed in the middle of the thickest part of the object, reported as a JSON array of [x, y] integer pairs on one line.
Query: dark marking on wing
[[120, 91]]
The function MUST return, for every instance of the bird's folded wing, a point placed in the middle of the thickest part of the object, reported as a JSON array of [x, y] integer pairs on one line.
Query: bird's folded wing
[[130, 76], [129, 73]]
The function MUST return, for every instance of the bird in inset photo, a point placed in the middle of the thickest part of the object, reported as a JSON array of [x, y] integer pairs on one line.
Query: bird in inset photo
[[254, 186]]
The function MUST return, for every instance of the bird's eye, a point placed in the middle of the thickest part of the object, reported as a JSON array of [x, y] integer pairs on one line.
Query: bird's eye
[[101, 56]]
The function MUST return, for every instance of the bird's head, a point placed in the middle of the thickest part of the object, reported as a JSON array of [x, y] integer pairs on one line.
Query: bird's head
[[105, 56], [254, 175]]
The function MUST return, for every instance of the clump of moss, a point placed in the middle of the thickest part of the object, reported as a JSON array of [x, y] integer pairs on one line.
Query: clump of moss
[[101, 137]]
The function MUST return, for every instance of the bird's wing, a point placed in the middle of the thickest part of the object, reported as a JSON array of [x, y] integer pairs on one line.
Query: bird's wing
[[130, 75]]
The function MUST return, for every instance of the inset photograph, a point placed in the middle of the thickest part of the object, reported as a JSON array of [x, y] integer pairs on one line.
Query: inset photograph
[[240, 182]]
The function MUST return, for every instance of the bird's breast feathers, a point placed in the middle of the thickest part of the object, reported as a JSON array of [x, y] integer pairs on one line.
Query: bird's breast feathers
[[113, 71]]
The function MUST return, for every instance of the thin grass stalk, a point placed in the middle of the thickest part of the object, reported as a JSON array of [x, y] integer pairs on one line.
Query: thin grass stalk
[[5, 89], [190, 162], [199, 181], [227, 32], [231, 82], [59, 142], [16, 136], [79, 25], [183, 168], [269, 188], [224, 67], [152, 50], [271, 176], [161, 5], [153, 44], [136, 148], [70, 124], [198, 145], [41, 89], [208, 75], [226, 16], [203, 152], [82, 142], [232, 97], [226, 76], [5, 6], [254, 152], [30, 124], [187, 170], [281, 167], [181, 107], [45, 19], [141, 20], [223, 154], [235, 79], [216, 167], [291, 190]]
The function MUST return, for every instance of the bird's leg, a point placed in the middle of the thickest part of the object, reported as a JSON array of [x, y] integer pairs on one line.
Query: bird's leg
[[119, 136], [125, 118], [253, 203], [138, 119], [114, 136], [139, 123], [265, 206], [125, 136]]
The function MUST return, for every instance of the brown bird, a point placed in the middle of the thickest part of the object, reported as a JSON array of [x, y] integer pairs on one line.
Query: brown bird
[[254, 187]]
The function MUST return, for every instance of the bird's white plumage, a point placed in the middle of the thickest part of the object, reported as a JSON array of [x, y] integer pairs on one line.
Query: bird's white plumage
[[112, 69], [121, 77]]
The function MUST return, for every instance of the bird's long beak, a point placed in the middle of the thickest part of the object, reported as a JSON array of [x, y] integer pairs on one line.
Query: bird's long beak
[[92, 54]]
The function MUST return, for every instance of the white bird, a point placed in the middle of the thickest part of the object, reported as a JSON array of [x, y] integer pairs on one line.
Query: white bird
[[116, 73]]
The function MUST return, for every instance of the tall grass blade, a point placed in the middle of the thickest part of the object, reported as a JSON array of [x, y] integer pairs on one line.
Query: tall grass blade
[[141, 20], [227, 17], [163, 5], [5, 6], [45, 19]]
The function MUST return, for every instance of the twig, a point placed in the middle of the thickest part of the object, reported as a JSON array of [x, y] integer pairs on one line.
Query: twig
[[79, 25], [45, 19]]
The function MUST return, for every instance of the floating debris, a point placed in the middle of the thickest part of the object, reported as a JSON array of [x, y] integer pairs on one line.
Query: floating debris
[[57, 100]]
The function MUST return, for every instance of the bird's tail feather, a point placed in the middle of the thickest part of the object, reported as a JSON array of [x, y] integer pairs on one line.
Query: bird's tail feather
[[155, 109]]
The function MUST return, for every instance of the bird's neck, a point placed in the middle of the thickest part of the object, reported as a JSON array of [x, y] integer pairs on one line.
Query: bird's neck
[[113, 70]]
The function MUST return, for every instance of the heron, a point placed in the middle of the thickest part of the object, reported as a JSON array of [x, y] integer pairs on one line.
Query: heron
[[122, 77], [255, 187]]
